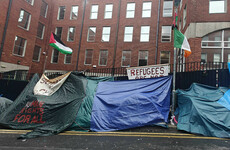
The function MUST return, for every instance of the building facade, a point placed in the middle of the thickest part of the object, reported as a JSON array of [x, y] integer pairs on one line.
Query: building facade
[[108, 33]]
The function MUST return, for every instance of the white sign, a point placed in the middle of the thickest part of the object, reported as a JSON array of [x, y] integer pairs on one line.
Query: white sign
[[148, 72], [47, 87]]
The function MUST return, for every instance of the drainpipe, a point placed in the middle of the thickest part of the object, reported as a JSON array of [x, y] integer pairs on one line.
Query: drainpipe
[[158, 22], [82, 24], [5, 28], [115, 46]]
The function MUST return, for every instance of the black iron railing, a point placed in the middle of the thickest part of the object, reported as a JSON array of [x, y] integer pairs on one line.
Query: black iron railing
[[116, 72]]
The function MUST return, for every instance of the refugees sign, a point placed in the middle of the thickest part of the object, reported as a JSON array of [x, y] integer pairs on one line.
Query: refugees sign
[[148, 72]]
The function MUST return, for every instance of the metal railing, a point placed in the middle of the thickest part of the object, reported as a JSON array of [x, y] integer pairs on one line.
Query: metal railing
[[116, 72]]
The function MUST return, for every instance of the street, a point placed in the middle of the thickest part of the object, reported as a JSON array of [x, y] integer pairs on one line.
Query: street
[[112, 140]]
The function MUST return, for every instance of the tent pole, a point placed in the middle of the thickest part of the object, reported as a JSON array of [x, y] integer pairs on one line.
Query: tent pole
[[174, 81]]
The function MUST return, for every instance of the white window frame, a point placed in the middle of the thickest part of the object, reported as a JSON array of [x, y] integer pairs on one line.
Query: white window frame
[[110, 12], [148, 10], [213, 7], [59, 11], [53, 56], [126, 34], [94, 12], [39, 54], [32, 2], [215, 57], [56, 31], [184, 15], [29, 19], [103, 50], [143, 34], [169, 56], [205, 55], [105, 34], [130, 13], [139, 56], [90, 28], [43, 31], [166, 34], [86, 55], [69, 34], [125, 58], [70, 59], [24, 48], [71, 13], [46, 9], [167, 8]]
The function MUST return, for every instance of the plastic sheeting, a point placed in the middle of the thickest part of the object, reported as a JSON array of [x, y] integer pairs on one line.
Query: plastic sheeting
[[82, 122], [200, 112], [4, 104], [129, 104], [46, 115]]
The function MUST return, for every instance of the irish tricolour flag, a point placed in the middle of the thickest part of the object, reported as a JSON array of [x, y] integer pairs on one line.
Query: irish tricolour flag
[[59, 45], [180, 41]]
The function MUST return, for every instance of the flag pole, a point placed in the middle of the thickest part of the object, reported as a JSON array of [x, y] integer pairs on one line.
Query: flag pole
[[174, 81]]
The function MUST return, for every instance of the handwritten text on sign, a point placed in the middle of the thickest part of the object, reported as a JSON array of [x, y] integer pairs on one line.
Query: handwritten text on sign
[[147, 72]]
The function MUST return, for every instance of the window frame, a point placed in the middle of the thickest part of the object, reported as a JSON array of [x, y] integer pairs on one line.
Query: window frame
[[140, 54], [94, 12], [100, 54], [31, 3], [167, 8], [27, 23], [143, 34], [71, 12], [24, 47], [148, 10], [108, 12], [128, 34], [46, 9], [122, 60], [43, 31], [68, 36], [169, 59], [105, 34], [164, 34], [39, 54], [225, 7], [88, 35], [70, 57], [87, 57], [131, 10], [59, 12], [52, 58]]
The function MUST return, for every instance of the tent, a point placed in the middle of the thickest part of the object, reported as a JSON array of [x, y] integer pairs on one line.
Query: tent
[[204, 110], [123, 105]]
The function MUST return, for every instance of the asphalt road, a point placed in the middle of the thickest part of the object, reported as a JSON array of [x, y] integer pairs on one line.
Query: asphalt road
[[112, 141]]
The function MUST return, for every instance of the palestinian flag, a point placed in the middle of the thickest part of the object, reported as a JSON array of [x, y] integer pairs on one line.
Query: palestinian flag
[[180, 41], [56, 43]]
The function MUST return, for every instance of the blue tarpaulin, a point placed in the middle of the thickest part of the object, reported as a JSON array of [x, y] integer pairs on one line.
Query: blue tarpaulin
[[128, 104]]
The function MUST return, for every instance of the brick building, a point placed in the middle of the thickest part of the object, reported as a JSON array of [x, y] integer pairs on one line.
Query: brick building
[[106, 33]]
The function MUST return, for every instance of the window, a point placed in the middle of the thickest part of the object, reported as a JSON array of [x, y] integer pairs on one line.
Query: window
[[105, 34], [165, 57], [204, 58], [184, 16], [31, 2], [146, 9], [130, 11], [71, 33], [68, 58], [103, 57], [88, 56], [58, 32], [216, 58], [217, 6], [19, 46], [74, 12], [44, 9], [36, 54], [128, 36], [94, 12], [228, 57], [143, 58], [91, 34], [24, 19], [61, 12], [145, 33], [126, 58], [108, 11], [216, 43], [167, 8], [166, 34], [40, 30], [55, 55]]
